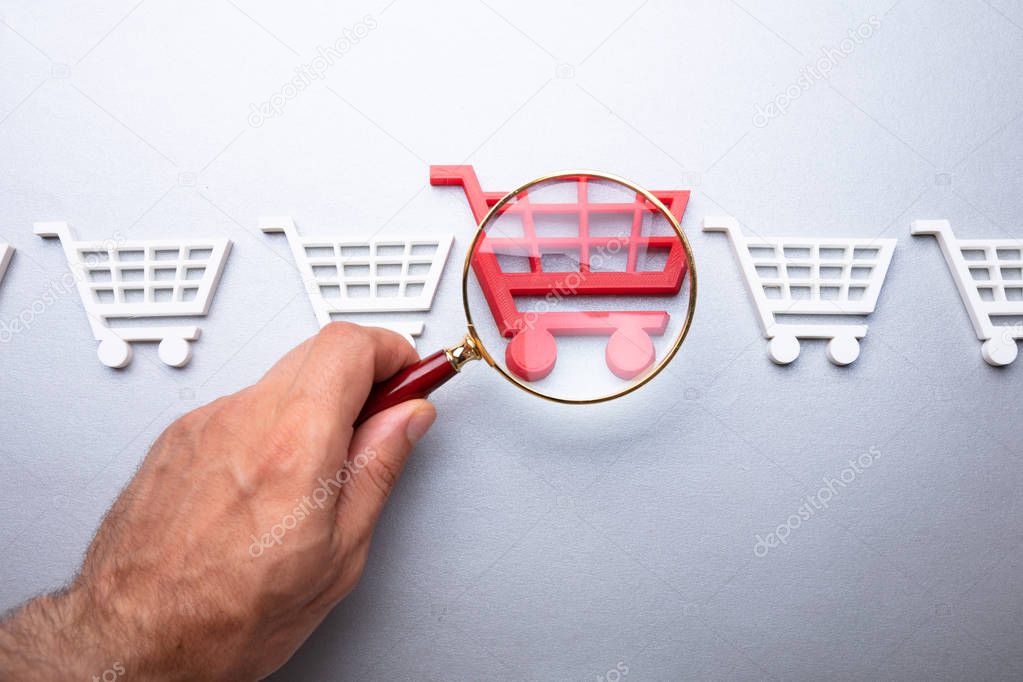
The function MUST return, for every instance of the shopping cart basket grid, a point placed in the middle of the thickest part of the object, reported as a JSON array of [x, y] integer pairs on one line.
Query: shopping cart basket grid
[[379, 275], [142, 279], [989, 276], [532, 350], [809, 276]]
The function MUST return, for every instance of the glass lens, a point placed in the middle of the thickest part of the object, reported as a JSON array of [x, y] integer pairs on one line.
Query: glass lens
[[579, 286]]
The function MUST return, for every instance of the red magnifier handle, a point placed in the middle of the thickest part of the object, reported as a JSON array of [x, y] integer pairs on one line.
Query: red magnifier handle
[[415, 381], [419, 379]]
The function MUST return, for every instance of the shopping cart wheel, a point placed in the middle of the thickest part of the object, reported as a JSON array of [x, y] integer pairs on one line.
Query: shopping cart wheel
[[629, 352], [783, 349], [843, 350], [114, 353], [175, 351], [999, 351], [531, 354]]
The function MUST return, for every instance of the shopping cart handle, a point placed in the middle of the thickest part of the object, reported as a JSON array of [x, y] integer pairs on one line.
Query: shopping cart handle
[[453, 175], [415, 381]]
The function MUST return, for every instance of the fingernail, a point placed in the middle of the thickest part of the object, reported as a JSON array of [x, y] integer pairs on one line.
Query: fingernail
[[419, 423]]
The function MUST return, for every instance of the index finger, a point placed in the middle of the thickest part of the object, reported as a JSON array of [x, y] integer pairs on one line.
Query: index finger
[[341, 365]]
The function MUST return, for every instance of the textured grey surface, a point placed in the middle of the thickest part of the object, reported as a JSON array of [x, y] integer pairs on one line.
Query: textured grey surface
[[528, 540]]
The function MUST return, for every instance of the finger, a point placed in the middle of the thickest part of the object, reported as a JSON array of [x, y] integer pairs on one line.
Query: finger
[[376, 459], [343, 363]]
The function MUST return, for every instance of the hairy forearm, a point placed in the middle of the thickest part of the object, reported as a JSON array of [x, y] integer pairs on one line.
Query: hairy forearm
[[51, 637], [84, 633], [173, 586]]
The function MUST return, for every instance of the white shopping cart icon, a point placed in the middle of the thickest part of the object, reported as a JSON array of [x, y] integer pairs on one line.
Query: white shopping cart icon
[[6, 251], [380, 275], [810, 276], [142, 279], [989, 276]]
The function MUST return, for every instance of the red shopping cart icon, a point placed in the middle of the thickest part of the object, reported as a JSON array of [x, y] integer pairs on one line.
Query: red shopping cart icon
[[532, 351]]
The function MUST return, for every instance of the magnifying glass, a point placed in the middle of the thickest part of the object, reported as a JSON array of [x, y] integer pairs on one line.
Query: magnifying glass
[[578, 287]]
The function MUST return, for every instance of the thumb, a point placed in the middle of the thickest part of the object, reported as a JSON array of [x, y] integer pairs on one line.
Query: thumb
[[376, 458]]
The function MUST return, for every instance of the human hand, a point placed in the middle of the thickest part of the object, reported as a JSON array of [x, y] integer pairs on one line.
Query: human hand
[[248, 521]]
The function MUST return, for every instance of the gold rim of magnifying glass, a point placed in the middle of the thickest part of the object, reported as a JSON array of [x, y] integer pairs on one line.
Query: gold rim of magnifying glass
[[690, 263]]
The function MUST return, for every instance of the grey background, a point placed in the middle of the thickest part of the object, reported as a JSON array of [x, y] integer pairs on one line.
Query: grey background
[[528, 540]]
